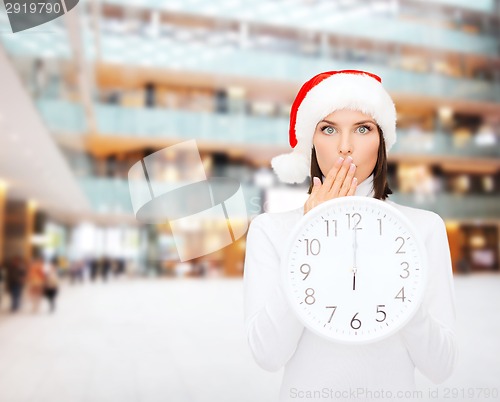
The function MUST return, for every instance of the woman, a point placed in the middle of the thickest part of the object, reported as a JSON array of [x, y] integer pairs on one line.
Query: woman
[[51, 284], [16, 275], [36, 280], [342, 124]]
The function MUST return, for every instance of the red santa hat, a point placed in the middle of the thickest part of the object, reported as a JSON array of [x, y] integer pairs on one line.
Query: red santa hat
[[322, 95]]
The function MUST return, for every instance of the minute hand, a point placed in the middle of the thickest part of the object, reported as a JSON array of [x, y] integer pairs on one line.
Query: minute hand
[[354, 264]]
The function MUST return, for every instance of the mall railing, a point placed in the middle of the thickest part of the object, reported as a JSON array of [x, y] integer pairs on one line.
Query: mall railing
[[280, 66], [254, 63], [110, 196], [68, 118], [450, 206], [485, 6], [331, 19], [63, 116]]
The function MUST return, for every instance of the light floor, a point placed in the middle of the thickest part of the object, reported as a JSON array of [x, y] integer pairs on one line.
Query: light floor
[[181, 340]]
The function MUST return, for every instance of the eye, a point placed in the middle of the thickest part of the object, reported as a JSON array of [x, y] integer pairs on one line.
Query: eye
[[363, 129], [329, 130]]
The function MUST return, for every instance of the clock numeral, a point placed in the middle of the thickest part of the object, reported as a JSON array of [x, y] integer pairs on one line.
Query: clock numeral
[[355, 323], [400, 247], [313, 246], [401, 294], [306, 272], [381, 311], [380, 226], [353, 217], [405, 270], [328, 227], [334, 308], [310, 296]]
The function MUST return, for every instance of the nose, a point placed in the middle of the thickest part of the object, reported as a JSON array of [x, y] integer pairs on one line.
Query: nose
[[345, 145]]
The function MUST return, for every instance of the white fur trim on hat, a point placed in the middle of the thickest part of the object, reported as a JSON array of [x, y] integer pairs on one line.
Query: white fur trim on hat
[[292, 167], [339, 91]]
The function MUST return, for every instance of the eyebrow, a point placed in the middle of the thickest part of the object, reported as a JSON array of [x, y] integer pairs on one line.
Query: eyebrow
[[355, 124]]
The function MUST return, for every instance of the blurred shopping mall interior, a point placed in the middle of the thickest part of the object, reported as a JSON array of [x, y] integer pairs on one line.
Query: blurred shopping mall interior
[[115, 85], [86, 96]]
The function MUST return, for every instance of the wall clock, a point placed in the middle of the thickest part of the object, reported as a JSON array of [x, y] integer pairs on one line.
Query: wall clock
[[354, 269]]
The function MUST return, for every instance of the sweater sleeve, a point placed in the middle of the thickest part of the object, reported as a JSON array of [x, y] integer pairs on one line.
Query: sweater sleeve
[[429, 336], [273, 330]]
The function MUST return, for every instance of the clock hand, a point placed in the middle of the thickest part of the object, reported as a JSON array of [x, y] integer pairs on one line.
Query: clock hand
[[354, 267]]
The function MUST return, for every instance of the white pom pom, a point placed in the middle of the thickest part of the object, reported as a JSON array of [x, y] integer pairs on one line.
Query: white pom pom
[[291, 168]]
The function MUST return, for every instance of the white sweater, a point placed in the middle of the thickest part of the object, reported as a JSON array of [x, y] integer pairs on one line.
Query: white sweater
[[316, 369]]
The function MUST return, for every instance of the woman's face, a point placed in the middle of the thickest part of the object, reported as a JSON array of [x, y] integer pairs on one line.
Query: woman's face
[[347, 133]]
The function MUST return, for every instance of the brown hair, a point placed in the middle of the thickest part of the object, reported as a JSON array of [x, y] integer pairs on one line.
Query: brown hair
[[380, 184]]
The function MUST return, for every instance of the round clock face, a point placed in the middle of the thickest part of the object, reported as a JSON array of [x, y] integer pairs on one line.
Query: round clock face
[[354, 269]]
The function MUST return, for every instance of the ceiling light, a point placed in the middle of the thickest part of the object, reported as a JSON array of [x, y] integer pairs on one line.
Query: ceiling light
[[445, 112], [32, 204], [3, 185]]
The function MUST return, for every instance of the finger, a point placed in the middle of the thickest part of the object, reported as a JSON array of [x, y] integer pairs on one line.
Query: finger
[[330, 177], [310, 203], [341, 175], [316, 184], [354, 185], [315, 189], [347, 181]]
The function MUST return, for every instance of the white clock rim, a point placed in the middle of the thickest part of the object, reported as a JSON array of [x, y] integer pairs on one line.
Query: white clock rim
[[318, 210]]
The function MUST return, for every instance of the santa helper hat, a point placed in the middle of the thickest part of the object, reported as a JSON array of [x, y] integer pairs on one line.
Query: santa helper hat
[[322, 95]]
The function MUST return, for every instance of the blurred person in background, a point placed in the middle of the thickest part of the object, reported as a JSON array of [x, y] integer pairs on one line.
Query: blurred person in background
[[51, 284], [1, 281], [62, 265], [76, 271], [16, 276], [94, 268], [36, 280], [105, 268], [463, 265], [40, 78], [120, 266]]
